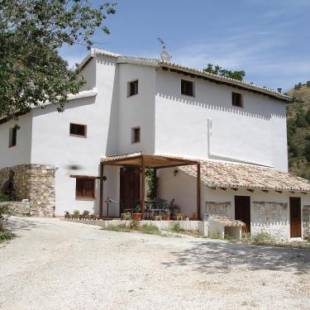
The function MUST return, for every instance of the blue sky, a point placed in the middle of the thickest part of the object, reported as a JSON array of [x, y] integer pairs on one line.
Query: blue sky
[[270, 40]]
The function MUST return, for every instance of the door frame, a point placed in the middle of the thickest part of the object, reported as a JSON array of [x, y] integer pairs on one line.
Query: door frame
[[300, 216], [250, 202], [123, 182]]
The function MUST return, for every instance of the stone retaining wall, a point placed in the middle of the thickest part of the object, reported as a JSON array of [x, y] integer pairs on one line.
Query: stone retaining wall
[[20, 208], [36, 183]]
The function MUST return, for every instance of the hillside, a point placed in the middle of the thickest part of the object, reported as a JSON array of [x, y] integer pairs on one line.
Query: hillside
[[298, 125]]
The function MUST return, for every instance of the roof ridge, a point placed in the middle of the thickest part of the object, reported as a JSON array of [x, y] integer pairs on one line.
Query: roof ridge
[[157, 62]]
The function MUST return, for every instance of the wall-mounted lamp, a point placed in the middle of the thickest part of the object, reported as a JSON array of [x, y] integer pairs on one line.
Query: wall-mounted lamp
[[175, 172], [104, 178]]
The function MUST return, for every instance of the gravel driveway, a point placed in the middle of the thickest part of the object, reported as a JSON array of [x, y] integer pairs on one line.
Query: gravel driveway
[[54, 264]]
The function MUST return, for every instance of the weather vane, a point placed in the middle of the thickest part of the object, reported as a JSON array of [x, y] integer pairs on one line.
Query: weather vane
[[164, 55]]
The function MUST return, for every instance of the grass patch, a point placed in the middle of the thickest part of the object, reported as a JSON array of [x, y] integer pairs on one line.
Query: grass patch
[[263, 238], [266, 239], [135, 227], [119, 228], [6, 235], [150, 229]]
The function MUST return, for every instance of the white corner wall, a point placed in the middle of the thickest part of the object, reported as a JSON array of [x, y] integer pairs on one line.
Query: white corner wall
[[53, 145], [21, 153], [137, 110]]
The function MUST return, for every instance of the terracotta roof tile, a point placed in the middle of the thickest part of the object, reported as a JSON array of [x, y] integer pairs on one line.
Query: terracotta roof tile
[[232, 175]]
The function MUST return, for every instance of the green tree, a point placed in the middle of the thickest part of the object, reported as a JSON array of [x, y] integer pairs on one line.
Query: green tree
[[308, 116], [31, 34], [298, 86], [301, 118], [307, 151], [218, 70]]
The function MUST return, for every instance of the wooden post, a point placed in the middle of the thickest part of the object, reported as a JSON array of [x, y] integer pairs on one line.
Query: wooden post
[[142, 185], [101, 191], [198, 192]]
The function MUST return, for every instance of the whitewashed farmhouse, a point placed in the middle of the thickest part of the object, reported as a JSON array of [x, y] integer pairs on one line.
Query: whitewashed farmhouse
[[219, 146]]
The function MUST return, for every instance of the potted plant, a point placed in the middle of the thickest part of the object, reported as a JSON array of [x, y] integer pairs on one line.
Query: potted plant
[[166, 217], [137, 215], [85, 214]]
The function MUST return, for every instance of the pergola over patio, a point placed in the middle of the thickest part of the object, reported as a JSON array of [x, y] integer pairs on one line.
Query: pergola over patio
[[144, 161]]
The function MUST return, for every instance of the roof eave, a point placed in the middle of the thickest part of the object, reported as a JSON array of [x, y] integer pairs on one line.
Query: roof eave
[[226, 81]]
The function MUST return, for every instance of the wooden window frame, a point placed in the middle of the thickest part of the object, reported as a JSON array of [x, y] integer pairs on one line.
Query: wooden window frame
[[79, 196], [13, 137], [133, 135], [129, 94], [76, 135], [241, 100], [193, 88]]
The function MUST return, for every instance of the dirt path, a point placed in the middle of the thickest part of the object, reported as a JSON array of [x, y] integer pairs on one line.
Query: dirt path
[[54, 264]]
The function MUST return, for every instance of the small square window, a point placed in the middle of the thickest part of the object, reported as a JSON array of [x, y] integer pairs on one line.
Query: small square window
[[78, 130], [187, 88], [237, 100], [135, 135], [85, 188], [132, 88], [13, 136]]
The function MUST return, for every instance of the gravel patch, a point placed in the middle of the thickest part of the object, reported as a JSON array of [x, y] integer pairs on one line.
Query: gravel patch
[[53, 264]]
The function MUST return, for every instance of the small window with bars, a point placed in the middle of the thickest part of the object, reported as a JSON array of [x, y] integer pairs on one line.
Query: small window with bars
[[132, 88], [187, 88], [13, 136], [135, 135], [78, 130], [237, 100]]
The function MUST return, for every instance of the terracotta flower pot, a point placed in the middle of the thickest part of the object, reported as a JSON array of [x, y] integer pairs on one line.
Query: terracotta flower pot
[[137, 216]]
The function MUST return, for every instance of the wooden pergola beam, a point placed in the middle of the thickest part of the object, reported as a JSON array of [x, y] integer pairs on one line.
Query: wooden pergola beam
[[155, 162], [198, 179], [142, 185], [101, 191]]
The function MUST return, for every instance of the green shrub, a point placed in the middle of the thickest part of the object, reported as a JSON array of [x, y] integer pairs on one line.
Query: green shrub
[[6, 235], [150, 229], [175, 227], [134, 225], [76, 214], [4, 197], [263, 238]]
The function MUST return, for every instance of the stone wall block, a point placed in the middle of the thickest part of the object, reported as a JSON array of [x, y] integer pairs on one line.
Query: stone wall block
[[36, 183]]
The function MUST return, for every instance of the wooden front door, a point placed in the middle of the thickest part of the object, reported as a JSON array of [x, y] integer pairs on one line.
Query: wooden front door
[[243, 211], [129, 188], [295, 217]]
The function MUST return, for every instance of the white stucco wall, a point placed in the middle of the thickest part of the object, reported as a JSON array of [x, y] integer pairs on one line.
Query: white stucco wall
[[255, 133], [137, 110], [180, 187], [21, 153]]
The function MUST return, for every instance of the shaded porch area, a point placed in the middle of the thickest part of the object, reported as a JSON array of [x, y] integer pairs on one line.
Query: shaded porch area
[[133, 169]]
